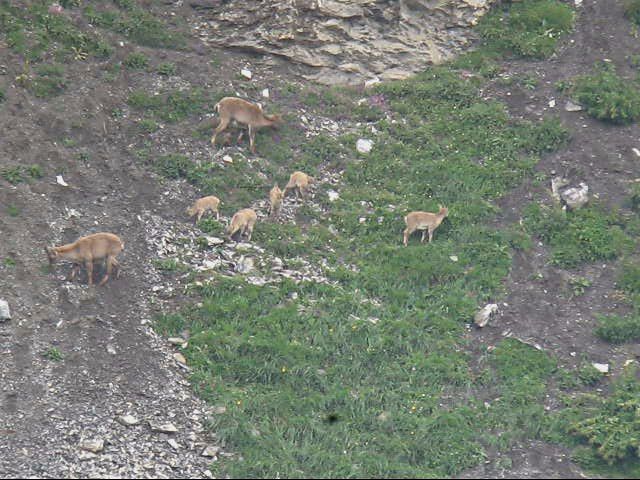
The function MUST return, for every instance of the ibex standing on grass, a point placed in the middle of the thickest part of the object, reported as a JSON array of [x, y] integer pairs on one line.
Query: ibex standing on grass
[[242, 111], [86, 250], [424, 221]]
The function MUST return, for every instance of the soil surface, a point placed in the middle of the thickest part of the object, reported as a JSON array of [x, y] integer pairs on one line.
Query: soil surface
[[114, 364], [540, 307]]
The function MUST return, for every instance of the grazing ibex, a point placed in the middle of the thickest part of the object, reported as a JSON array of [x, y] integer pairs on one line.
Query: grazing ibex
[[203, 204], [86, 250], [243, 221], [299, 182], [275, 201], [424, 221], [242, 111]]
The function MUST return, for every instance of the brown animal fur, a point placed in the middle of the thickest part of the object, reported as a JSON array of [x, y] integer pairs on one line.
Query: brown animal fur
[[424, 221], [300, 182], [243, 221], [86, 250], [275, 200], [242, 111], [203, 204]]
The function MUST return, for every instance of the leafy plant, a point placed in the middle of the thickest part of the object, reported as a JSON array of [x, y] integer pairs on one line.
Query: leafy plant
[[632, 10], [166, 69], [136, 61], [617, 329], [53, 354], [611, 425], [526, 29], [584, 235], [607, 96]]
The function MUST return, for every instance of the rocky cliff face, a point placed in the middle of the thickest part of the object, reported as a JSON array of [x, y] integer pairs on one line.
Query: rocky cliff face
[[345, 40]]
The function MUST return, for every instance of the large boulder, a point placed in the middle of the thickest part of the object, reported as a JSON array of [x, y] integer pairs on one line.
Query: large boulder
[[347, 41]]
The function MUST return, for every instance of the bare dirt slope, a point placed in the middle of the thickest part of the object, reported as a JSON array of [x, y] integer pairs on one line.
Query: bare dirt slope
[[114, 364], [540, 307]]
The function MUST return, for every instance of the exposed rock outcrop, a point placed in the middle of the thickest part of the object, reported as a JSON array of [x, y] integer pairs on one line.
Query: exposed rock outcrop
[[346, 40]]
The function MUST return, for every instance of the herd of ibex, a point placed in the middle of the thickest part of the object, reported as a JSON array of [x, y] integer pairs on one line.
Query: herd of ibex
[[104, 247]]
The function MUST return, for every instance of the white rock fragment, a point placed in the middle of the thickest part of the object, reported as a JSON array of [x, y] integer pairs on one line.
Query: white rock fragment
[[71, 213], [111, 349], [364, 145], [572, 107], [244, 265], [60, 181], [453, 258], [210, 451], [576, 197], [601, 367], [163, 427], [362, 219], [636, 151], [333, 195], [552, 103], [246, 73], [227, 159], [556, 184], [265, 93], [481, 318], [209, 265], [371, 82], [5, 313], [178, 357], [173, 444], [127, 420], [213, 241], [95, 445], [176, 341]]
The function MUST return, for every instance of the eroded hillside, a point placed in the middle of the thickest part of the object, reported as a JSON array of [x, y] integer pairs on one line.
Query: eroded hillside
[[323, 347]]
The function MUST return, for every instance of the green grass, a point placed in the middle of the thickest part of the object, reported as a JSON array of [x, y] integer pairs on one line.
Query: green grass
[[50, 81], [172, 106], [632, 10], [305, 370], [148, 125], [581, 236], [136, 61], [13, 211], [609, 425], [54, 354], [528, 29], [617, 329], [29, 30], [167, 69], [170, 265], [9, 262], [19, 174], [135, 23], [607, 96]]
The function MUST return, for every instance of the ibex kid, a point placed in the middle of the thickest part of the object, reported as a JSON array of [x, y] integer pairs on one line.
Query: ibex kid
[[203, 204], [424, 221], [243, 221]]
